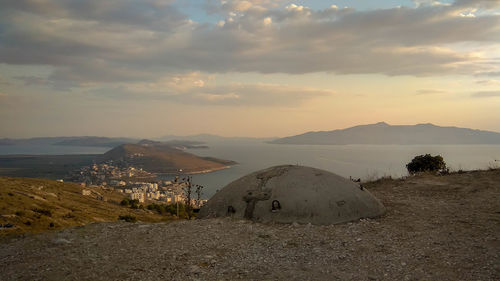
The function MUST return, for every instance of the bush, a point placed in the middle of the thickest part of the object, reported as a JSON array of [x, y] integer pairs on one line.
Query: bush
[[47, 213], [127, 218], [125, 202], [170, 209], [426, 163]]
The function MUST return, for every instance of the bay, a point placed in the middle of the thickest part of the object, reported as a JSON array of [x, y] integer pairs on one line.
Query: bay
[[367, 162]]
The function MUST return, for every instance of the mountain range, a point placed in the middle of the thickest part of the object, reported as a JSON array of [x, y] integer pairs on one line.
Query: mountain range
[[384, 134]]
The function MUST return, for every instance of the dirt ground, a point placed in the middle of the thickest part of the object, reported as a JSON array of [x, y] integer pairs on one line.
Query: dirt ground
[[435, 228]]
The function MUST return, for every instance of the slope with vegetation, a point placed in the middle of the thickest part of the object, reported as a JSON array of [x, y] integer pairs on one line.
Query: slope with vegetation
[[37, 205]]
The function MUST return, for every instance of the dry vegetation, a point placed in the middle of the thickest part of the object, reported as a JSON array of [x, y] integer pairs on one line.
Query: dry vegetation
[[37, 205]]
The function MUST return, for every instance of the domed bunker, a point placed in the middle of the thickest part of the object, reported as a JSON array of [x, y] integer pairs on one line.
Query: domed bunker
[[287, 194]]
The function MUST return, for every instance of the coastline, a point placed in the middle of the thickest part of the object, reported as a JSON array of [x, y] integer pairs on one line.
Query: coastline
[[206, 171]]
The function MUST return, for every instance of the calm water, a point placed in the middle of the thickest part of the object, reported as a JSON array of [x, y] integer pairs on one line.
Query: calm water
[[358, 161]]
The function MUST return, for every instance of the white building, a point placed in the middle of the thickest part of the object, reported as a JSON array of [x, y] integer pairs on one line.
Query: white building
[[137, 195]]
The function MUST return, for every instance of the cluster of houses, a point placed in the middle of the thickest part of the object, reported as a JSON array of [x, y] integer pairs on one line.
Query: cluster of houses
[[106, 173], [125, 180], [165, 191]]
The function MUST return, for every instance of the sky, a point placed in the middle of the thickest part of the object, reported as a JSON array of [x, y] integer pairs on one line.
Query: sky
[[260, 68]]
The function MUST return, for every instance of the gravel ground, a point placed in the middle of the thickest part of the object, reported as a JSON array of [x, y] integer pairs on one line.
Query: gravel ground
[[436, 228]]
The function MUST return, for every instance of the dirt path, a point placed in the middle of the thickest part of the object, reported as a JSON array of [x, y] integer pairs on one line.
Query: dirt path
[[436, 228]]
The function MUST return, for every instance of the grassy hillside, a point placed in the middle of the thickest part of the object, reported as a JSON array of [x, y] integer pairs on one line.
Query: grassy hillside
[[163, 159], [37, 205]]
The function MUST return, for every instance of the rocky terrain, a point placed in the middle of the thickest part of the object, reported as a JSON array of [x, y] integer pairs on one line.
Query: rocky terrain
[[435, 228]]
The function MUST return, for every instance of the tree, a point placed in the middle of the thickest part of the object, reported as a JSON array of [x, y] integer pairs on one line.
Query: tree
[[187, 191], [198, 195], [426, 163]]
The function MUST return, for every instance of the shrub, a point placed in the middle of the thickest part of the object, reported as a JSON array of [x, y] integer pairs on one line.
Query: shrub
[[69, 216], [426, 163], [47, 213], [125, 202], [127, 218]]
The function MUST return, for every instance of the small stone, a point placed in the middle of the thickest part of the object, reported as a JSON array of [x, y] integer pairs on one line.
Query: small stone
[[195, 269], [61, 241]]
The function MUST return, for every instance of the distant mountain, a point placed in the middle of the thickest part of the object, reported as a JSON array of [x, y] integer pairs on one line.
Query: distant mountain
[[383, 133], [95, 141], [33, 141], [163, 158], [69, 141], [208, 138], [178, 144]]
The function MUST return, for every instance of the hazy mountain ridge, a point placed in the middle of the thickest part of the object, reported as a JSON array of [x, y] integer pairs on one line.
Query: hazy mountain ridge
[[204, 138], [383, 133], [70, 141], [100, 142]]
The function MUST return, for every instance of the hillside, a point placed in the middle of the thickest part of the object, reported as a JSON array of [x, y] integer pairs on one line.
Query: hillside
[[32, 205], [383, 133], [436, 228], [163, 159]]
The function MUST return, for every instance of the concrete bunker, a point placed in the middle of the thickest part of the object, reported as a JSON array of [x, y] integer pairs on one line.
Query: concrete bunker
[[289, 193]]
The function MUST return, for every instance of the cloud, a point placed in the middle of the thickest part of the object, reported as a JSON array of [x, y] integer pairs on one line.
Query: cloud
[[430, 92], [93, 42], [486, 94], [227, 6], [420, 3], [33, 80], [187, 89], [218, 97], [488, 82], [489, 73], [252, 95], [3, 81]]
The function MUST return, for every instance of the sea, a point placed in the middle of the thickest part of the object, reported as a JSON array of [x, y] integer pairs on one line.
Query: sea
[[366, 162]]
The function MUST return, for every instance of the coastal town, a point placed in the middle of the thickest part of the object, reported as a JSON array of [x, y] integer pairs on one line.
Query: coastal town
[[137, 184]]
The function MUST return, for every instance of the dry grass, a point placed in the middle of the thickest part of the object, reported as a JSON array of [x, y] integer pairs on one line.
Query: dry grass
[[37, 205]]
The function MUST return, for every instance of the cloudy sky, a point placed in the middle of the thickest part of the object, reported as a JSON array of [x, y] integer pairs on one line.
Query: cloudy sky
[[245, 67]]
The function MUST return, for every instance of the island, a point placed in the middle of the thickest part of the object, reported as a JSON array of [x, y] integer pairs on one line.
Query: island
[[384, 134]]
